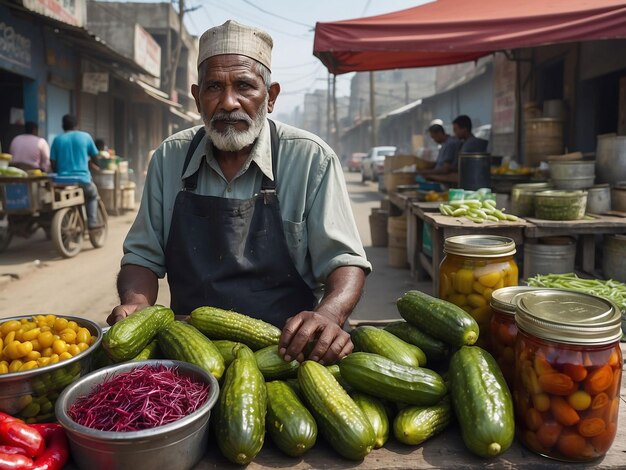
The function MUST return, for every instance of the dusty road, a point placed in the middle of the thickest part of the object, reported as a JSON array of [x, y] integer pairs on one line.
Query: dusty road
[[85, 285]]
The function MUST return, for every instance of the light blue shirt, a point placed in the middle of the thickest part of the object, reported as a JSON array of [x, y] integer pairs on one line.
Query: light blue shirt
[[317, 218], [71, 152]]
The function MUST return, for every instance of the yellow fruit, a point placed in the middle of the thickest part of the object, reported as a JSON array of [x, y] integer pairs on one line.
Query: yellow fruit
[[464, 280], [73, 325], [73, 349], [43, 361], [487, 294], [15, 365], [64, 356], [491, 279], [47, 352], [478, 287], [541, 401], [59, 346], [68, 335], [60, 324], [31, 334], [28, 365], [82, 346], [46, 339], [579, 400], [32, 356], [83, 335], [4, 367], [482, 315], [8, 326], [9, 337], [476, 300]]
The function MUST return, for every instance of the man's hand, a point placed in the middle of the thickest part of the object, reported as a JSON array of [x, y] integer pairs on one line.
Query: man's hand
[[122, 311], [331, 342]]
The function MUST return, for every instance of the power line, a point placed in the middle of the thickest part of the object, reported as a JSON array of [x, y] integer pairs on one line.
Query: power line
[[276, 15], [367, 5]]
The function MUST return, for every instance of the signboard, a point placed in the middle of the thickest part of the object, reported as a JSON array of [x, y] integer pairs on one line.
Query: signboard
[[16, 196], [14, 47], [67, 11], [503, 115], [147, 52], [95, 83]]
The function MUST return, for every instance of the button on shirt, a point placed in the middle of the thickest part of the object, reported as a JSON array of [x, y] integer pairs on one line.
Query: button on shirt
[[317, 219], [30, 150]]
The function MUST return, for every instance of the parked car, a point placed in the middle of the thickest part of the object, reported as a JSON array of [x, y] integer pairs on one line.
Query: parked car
[[373, 165], [355, 160]]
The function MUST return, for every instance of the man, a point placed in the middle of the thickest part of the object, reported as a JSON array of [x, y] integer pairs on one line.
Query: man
[[29, 151], [447, 157], [462, 128], [72, 156], [254, 216]]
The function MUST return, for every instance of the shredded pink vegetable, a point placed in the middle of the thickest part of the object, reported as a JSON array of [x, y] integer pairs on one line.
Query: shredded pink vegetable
[[144, 398]]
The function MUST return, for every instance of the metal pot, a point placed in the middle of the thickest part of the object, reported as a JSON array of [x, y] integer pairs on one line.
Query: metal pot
[[613, 260], [42, 386], [572, 174], [599, 199], [618, 197], [178, 445], [611, 158], [523, 198]]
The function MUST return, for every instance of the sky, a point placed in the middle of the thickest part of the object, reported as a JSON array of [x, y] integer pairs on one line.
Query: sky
[[291, 24]]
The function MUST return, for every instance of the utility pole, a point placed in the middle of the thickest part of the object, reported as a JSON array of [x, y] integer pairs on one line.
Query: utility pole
[[178, 49], [335, 119], [373, 110], [328, 104]]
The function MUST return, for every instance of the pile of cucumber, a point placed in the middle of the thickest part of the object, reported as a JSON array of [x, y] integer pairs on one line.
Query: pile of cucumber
[[382, 388]]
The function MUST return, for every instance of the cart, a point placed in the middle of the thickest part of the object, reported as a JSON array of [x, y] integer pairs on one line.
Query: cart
[[27, 204]]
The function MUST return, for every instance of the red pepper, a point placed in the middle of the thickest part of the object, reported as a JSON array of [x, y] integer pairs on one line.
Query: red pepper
[[57, 450], [9, 418], [22, 435], [15, 462], [12, 450]]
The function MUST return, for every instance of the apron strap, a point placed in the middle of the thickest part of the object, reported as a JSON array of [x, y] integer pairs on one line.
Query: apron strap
[[268, 184], [191, 182]]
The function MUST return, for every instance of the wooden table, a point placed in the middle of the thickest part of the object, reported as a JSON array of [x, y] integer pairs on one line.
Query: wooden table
[[442, 227], [587, 228]]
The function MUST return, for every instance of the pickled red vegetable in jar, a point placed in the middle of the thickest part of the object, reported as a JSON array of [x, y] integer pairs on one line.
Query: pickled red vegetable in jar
[[568, 373], [473, 268], [503, 330]]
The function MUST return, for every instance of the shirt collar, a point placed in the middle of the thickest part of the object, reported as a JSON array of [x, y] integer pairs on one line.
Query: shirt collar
[[261, 154]]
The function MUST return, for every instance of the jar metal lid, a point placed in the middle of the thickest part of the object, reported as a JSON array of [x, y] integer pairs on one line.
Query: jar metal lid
[[479, 246], [503, 299], [568, 317]]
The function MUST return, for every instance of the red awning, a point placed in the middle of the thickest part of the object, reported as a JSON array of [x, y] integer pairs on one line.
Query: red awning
[[452, 31]]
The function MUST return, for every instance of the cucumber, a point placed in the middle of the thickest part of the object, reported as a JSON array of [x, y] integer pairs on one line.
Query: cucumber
[[151, 351], [482, 402], [376, 413], [290, 425], [340, 420], [435, 350], [227, 350], [216, 323], [438, 318], [336, 373], [415, 424], [240, 432], [182, 342], [383, 378], [273, 366], [128, 337], [374, 340]]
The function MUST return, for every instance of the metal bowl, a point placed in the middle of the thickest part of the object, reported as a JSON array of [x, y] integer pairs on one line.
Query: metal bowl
[[178, 445], [31, 394]]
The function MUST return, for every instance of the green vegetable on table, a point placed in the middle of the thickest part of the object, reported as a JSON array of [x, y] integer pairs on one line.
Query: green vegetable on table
[[477, 211], [612, 290]]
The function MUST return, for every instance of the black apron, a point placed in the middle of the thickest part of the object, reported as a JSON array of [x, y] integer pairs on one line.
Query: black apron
[[232, 253]]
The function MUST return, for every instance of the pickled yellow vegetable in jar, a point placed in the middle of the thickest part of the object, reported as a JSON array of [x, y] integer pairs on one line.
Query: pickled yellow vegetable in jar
[[38, 341], [474, 267]]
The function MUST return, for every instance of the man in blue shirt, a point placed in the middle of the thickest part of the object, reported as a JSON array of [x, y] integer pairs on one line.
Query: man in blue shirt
[[447, 158], [72, 156]]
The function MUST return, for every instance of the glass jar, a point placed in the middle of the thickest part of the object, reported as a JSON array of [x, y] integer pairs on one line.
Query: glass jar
[[474, 266], [503, 330], [568, 373]]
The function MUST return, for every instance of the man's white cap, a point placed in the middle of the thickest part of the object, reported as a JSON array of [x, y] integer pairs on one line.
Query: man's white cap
[[236, 38], [436, 122]]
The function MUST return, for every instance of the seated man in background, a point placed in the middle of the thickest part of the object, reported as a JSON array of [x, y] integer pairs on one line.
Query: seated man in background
[[29, 151], [447, 158], [462, 128]]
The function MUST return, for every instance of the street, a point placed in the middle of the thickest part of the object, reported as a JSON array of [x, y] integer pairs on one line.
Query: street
[[85, 285]]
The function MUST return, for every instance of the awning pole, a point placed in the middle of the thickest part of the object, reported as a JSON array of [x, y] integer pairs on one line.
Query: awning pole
[[373, 110]]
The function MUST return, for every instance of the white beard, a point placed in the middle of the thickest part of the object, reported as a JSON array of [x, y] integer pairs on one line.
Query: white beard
[[232, 140]]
